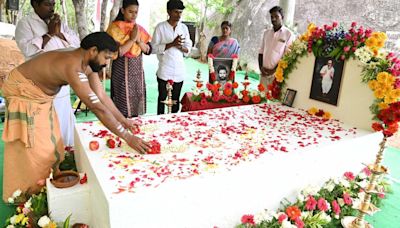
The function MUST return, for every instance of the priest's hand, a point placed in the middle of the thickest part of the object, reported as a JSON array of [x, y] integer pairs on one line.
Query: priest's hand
[[138, 144], [132, 125]]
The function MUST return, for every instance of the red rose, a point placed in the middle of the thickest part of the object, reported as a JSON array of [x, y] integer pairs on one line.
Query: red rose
[[83, 179], [170, 81], [155, 147], [227, 92], [93, 145], [320, 113], [256, 99], [111, 143], [377, 126], [246, 99], [235, 85]]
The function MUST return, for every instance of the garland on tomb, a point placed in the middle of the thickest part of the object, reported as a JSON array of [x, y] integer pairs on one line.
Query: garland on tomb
[[320, 206], [381, 70]]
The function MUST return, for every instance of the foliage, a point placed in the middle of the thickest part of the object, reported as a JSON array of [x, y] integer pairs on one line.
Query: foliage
[[320, 207]]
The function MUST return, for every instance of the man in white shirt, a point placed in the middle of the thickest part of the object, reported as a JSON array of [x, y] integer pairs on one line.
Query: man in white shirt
[[171, 42], [43, 31], [275, 43], [327, 72]]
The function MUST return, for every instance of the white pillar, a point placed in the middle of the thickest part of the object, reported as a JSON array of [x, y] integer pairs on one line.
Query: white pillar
[[288, 10]]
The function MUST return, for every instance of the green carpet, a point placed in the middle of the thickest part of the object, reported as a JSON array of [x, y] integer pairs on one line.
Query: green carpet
[[388, 217]]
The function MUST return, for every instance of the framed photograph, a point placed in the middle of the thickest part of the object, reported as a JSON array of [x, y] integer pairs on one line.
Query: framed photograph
[[222, 68], [326, 80], [289, 97]]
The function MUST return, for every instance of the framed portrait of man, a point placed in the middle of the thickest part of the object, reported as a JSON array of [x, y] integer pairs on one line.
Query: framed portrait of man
[[222, 68], [326, 80], [289, 97]]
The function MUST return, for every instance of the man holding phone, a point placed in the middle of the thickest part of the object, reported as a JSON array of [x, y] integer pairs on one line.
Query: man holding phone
[[43, 31], [171, 42]]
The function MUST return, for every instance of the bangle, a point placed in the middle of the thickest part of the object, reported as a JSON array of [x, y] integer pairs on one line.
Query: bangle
[[48, 35]]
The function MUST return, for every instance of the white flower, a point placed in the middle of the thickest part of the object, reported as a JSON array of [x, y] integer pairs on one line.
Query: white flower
[[12, 219], [10, 226], [10, 200], [253, 93], [287, 224], [28, 204], [208, 93], [310, 190], [44, 221], [340, 202], [345, 183], [300, 197], [305, 214], [397, 44], [330, 185], [363, 184], [17, 193], [262, 94], [196, 92], [325, 217], [362, 175], [262, 216], [221, 92], [240, 95]]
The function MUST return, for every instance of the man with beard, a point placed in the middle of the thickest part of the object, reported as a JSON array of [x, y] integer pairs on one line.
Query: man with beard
[[275, 43], [33, 144], [171, 42], [42, 31]]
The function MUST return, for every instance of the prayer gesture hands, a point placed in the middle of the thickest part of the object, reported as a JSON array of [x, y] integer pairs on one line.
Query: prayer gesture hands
[[54, 25], [178, 41], [135, 34]]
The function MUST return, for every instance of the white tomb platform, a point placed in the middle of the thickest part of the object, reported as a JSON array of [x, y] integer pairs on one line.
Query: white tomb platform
[[216, 165]]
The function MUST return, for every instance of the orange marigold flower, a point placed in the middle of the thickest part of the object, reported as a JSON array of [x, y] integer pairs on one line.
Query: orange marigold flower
[[327, 115], [312, 111], [245, 93], [227, 92], [371, 42], [293, 212], [235, 85], [379, 93], [261, 87], [373, 84], [256, 99], [382, 77], [383, 105], [246, 99]]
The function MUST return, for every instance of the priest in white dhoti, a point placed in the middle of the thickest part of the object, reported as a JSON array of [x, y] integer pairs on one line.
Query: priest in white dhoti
[[43, 31], [327, 72]]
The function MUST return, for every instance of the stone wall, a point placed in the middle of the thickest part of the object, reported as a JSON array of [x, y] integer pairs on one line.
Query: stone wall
[[251, 17]]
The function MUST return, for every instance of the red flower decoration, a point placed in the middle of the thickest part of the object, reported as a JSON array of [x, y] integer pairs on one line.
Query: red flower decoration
[[211, 56], [213, 77], [227, 92], [111, 143], [232, 75], [246, 99], [83, 179], [170, 81], [293, 212], [248, 219], [235, 85], [234, 56], [155, 147], [261, 87], [256, 99]]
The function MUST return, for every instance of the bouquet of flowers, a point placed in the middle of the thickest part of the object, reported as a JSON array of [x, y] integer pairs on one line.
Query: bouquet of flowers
[[320, 206]]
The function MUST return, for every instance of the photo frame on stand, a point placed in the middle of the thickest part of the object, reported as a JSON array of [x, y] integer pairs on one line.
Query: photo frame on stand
[[222, 68], [289, 97]]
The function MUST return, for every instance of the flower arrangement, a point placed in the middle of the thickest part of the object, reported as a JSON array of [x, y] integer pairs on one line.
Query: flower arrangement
[[320, 206], [320, 113], [381, 70], [215, 93], [32, 212]]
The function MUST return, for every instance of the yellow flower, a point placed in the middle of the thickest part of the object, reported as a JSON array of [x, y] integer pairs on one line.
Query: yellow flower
[[25, 221], [395, 93], [380, 43], [371, 42], [312, 111], [283, 64], [19, 218], [373, 84], [379, 93], [327, 115], [51, 225], [389, 100], [382, 76], [390, 79], [279, 74], [383, 105]]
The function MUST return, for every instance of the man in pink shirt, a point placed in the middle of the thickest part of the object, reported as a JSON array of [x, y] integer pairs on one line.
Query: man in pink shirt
[[275, 43]]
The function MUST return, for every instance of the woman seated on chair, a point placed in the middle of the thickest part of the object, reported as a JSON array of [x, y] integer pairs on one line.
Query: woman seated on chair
[[224, 46]]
